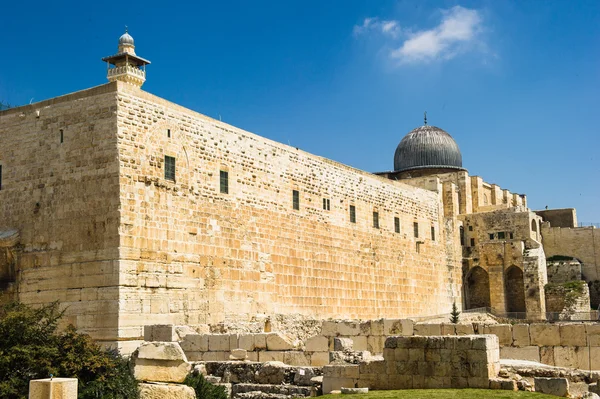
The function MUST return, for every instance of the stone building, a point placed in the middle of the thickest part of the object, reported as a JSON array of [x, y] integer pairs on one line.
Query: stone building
[[132, 210]]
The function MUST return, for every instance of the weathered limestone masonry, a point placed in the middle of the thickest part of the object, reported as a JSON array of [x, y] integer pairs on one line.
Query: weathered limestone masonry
[[192, 255], [503, 252], [422, 362], [582, 243], [60, 191]]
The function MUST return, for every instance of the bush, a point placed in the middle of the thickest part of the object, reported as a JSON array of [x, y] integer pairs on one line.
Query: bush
[[203, 388], [454, 315], [32, 348]]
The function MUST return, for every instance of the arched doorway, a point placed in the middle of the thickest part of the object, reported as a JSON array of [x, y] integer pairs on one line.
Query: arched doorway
[[477, 293], [514, 290]]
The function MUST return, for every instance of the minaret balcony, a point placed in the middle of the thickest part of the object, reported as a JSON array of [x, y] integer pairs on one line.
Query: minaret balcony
[[128, 74]]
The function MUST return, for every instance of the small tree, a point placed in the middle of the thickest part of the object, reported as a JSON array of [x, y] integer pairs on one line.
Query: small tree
[[454, 314]]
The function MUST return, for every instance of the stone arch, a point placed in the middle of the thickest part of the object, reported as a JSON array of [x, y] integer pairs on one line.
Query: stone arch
[[477, 290], [514, 289], [533, 225]]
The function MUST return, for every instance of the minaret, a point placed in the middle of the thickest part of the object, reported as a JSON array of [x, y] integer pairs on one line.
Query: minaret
[[126, 65]]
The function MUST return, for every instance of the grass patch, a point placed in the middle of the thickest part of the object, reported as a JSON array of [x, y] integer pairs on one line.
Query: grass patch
[[442, 394]]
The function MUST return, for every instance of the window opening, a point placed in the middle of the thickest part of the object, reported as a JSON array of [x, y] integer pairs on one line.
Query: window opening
[[376, 220], [472, 242], [511, 235], [326, 204], [501, 235], [397, 224], [296, 200], [416, 229], [352, 214], [462, 236], [432, 233], [62, 136], [224, 182], [491, 236], [169, 168], [169, 133]]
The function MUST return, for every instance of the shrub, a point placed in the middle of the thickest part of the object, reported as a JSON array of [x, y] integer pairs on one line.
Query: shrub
[[32, 348], [203, 388], [454, 314]]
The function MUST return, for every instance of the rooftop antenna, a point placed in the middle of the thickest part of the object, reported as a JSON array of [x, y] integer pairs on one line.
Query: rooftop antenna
[[425, 118]]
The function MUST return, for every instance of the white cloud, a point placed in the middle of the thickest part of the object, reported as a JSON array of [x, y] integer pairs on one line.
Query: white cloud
[[458, 29], [389, 28]]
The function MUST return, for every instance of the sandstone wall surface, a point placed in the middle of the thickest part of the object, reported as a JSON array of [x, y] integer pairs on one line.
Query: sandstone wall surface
[[582, 243], [191, 254], [63, 197]]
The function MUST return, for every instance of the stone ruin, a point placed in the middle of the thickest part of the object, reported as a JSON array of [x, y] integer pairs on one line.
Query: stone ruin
[[350, 355]]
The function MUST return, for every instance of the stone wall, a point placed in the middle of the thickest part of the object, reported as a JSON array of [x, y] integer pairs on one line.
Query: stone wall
[[191, 254], [561, 271], [60, 190], [559, 217], [582, 243], [422, 362]]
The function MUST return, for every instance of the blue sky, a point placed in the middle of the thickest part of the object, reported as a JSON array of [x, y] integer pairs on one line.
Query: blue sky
[[516, 83]]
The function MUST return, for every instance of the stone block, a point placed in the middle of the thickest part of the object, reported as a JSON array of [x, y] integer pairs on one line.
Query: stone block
[[318, 343], [552, 386], [359, 343], [252, 356], [296, 358], [233, 341], [246, 341], [571, 356], [342, 344], [375, 344], [319, 359], [377, 327], [160, 332], [335, 328], [238, 354], [194, 343], [260, 341], [218, 342], [502, 331], [304, 375], [218, 356], [595, 388], [270, 356], [595, 356], [547, 355], [161, 351], [448, 329], [279, 342], [165, 391], [531, 353], [427, 329], [464, 329], [572, 335], [520, 335], [60, 388], [590, 395], [398, 327], [507, 385], [161, 370], [544, 334], [593, 334]]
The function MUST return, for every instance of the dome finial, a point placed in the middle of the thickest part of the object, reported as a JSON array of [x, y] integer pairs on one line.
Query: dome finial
[[126, 30], [425, 117]]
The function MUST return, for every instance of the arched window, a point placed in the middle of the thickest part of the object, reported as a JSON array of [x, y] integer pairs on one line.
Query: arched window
[[485, 199], [534, 225]]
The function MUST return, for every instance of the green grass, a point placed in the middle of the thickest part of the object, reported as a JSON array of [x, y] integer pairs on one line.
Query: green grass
[[442, 394]]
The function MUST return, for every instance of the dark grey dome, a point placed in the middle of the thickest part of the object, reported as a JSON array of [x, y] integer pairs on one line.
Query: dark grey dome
[[427, 147], [126, 39]]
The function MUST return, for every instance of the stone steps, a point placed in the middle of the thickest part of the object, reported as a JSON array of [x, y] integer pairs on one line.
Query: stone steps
[[268, 391]]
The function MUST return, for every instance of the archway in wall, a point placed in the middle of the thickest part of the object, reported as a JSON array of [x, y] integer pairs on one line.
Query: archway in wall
[[477, 291], [534, 228], [514, 289]]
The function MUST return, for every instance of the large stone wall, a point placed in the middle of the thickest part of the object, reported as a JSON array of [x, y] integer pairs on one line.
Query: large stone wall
[[191, 254], [63, 198], [422, 362], [582, 243]]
